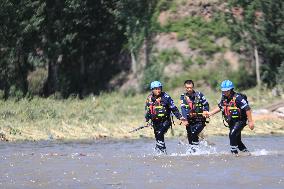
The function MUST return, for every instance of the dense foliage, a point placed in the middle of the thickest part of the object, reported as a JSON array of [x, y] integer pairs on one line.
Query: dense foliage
[[259, 24], [65, 47]]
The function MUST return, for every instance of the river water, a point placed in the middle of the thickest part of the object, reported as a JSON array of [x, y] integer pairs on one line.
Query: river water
[[134, 164]]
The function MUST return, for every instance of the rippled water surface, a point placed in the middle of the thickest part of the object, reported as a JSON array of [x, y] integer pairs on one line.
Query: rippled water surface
[[133, 164]]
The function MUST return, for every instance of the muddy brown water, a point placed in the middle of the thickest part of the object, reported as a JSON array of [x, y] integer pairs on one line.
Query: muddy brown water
[[133, 164]]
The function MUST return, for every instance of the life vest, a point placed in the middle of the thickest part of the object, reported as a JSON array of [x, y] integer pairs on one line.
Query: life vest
[[157, 108], [230, 110], [195, 108]]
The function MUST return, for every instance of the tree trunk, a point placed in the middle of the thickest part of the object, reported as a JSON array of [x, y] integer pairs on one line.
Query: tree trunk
[[82, 73], [257, 67], [147, 50], [133, 62], [257, 71], [51, 85]]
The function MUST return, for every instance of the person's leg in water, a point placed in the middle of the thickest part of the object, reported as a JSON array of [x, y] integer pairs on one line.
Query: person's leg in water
[[241, 145], [193, 131], [235, 137], [189, 135], [159, 131]]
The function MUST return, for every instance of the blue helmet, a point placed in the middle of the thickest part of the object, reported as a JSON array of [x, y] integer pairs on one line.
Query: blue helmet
[[155, 84], [227, 85]]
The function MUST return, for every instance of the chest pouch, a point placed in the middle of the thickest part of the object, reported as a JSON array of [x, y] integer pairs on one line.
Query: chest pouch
[[231, 111], [158, 110]]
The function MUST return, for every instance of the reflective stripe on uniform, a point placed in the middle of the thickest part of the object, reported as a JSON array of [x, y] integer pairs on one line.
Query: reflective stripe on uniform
[[195, 143], [160, 143], [244, 106], [234, 147]]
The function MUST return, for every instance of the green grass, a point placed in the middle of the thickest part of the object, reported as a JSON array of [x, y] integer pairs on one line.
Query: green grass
[[108, 115], [200, 33]]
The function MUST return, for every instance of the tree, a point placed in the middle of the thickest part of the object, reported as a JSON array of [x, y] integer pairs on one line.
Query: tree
[[17, 39], [258, 27], [136, 17]]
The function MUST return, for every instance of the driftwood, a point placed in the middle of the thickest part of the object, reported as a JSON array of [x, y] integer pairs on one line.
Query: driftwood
[[274, 106]]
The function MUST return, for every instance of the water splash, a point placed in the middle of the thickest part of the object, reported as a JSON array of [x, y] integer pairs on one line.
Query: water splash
[[264, 152], [202, 149]]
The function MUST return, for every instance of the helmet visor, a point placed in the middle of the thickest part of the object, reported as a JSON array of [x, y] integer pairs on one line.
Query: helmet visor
[[226, 89]]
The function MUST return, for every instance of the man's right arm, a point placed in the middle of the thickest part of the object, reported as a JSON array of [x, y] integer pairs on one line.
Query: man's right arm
[[183, 107]]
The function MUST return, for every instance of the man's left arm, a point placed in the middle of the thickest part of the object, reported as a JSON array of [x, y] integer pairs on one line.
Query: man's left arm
[[243, 104], [205, 105], [250, 121], [174, 109]]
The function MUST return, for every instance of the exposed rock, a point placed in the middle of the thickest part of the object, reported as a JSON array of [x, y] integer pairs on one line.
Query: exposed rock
[[223, 42], [280, 112], [274, 111], [275, 106], [204, 8], [167, 41], [173, 69], [261, 111], [233, 59], [132, 83], [163, 18]]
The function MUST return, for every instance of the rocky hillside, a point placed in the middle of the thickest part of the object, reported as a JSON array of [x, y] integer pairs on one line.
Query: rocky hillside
[[192, 41]]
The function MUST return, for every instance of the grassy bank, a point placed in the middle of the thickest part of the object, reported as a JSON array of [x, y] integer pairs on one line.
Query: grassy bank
[[108, 115]]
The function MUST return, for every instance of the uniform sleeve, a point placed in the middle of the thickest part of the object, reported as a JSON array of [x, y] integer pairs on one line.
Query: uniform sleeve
[[183, 107], [204, 102], [173, 107], [147, 110], [242, 103], [220, 105]]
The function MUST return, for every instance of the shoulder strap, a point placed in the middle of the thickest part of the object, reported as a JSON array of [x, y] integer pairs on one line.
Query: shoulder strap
[[189, 102]]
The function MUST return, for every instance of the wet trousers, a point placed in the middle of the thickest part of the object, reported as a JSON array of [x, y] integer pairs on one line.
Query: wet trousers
[[193, 129], [235, 137], [160, 129]]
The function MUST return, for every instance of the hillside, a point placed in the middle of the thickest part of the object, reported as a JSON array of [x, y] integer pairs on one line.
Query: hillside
[[62, 49], [192, 41]]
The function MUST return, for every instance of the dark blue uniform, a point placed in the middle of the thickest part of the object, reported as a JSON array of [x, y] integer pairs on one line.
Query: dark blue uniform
[[159, 109], [192, 107], [234, 111]]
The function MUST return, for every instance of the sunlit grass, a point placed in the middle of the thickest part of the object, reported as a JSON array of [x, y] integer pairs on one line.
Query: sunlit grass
[[110, 115]]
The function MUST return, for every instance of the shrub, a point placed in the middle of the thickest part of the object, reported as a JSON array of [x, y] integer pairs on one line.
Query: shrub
[[154, 71], [15, 92], [169, 56], [36, 81], [280, 76], [200, 33], [200, 61]]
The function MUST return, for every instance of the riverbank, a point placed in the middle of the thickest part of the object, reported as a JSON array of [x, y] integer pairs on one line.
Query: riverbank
[[110, 115]]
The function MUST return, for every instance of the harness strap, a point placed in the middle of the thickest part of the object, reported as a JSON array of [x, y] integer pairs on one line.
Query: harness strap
[[189, 102], [229, 107]]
